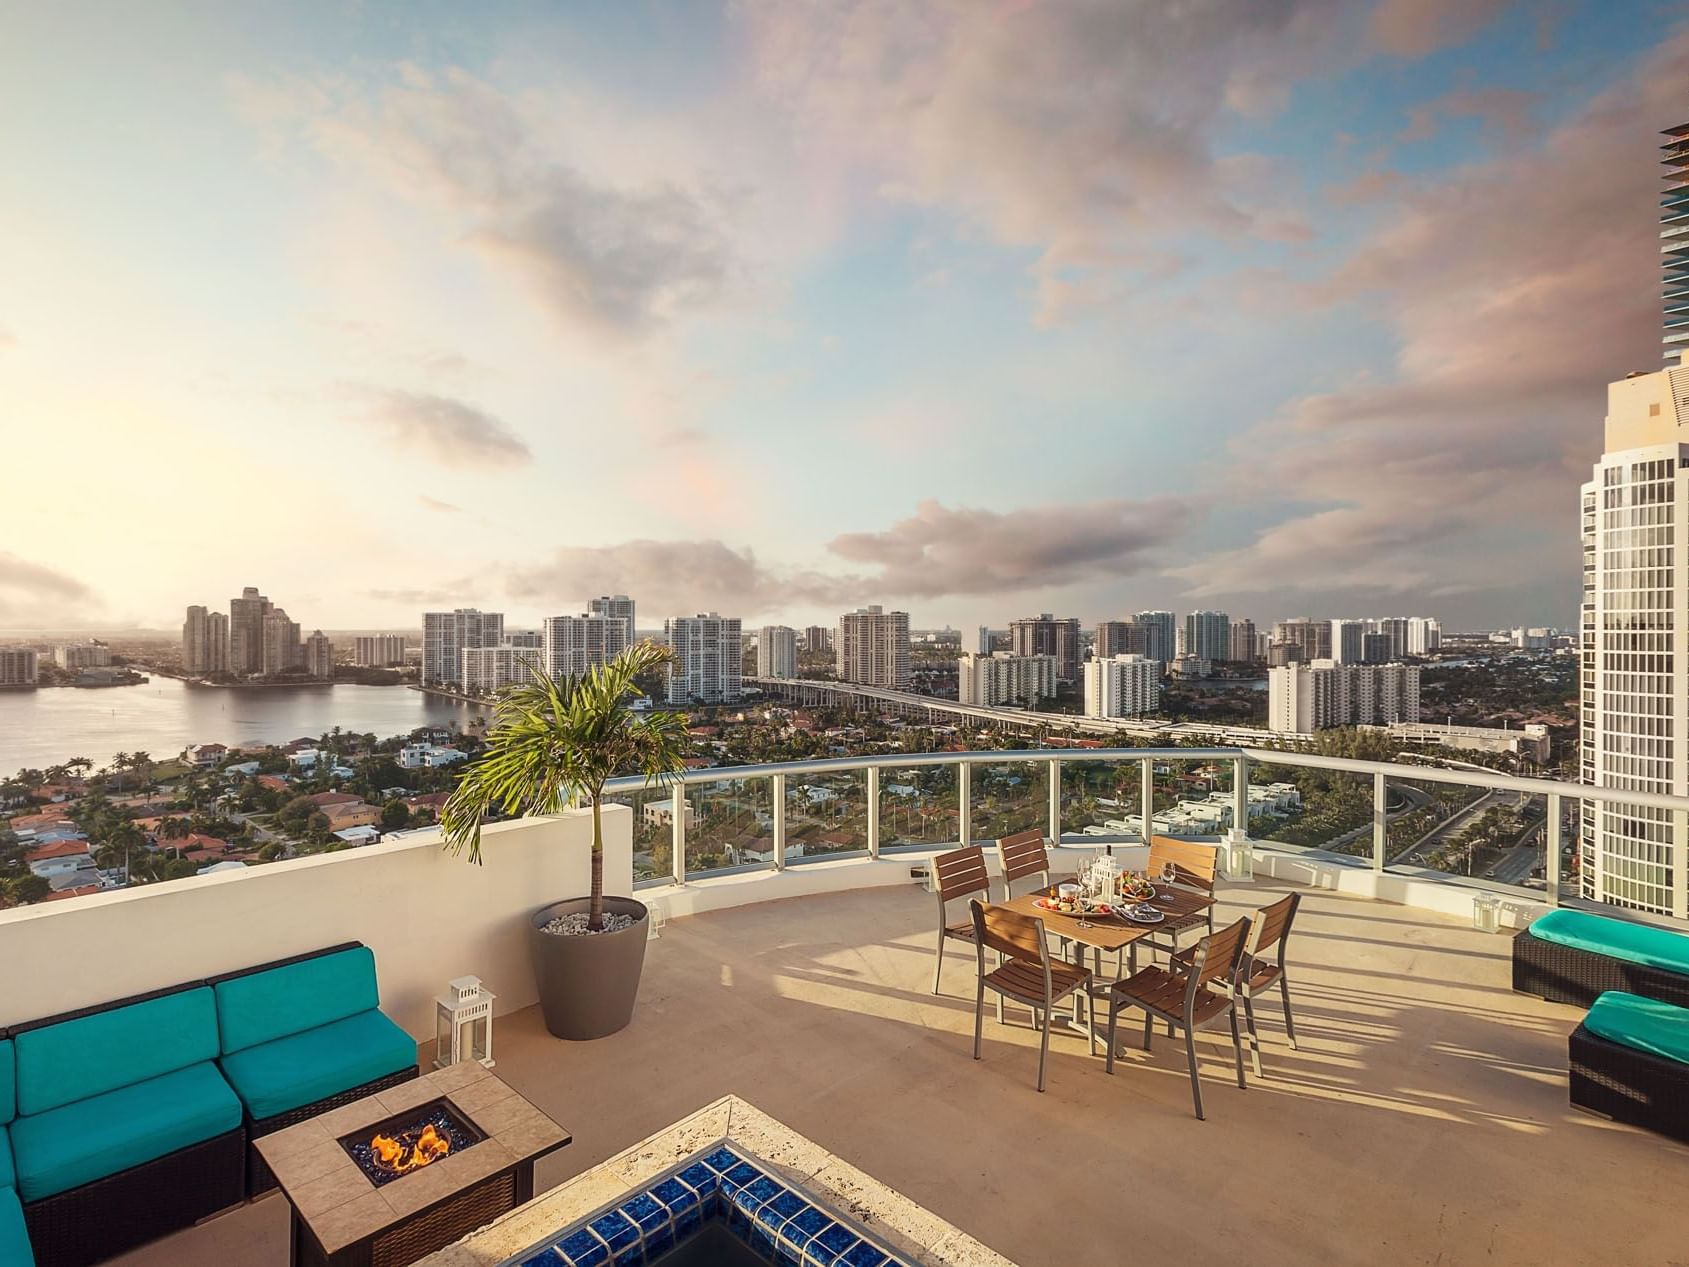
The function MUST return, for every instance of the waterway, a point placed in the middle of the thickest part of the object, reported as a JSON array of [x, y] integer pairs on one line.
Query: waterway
[[44, 727]]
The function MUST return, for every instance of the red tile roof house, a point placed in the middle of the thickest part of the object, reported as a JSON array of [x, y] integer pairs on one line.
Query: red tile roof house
[[195, 843], [58, 858], [273, 781], [81, 890], [322, 800]]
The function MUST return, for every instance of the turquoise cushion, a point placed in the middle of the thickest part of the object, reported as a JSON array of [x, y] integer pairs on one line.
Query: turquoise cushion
[[70, 1146], [1617, 938], [265, 1006], [94, 1054], [1645, 1024], [304, 1068], [8, 1175], [8, 1081], [14, 1236]]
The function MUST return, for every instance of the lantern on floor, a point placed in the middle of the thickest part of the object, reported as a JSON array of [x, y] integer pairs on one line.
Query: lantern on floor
[[463, 1023], [1486, 913], [1240, 858]]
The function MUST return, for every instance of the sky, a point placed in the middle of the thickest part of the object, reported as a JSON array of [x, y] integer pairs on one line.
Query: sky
[[972, 308]]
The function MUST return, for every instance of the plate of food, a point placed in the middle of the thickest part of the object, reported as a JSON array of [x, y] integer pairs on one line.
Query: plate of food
[[1079, 909], [1139, 913], [1138, 890]]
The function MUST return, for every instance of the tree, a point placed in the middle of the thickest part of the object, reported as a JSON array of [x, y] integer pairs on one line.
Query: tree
[[394, 815], [557, 739]]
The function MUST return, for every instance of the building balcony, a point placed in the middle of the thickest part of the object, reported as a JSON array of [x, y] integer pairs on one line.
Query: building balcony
[[1424, 1108]]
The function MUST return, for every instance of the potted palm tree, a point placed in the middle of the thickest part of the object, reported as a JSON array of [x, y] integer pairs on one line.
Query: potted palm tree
[[554, 742]]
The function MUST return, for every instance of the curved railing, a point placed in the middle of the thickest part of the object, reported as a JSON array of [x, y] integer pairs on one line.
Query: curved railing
[[1494, 830]]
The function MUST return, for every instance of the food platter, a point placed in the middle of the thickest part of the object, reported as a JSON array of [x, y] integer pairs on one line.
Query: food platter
[[1087, 911]]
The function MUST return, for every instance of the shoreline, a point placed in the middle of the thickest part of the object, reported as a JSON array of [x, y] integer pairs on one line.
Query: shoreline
[[441, 692]]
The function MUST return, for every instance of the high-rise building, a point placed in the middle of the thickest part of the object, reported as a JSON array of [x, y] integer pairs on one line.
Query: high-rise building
[[446, 634], [246, 632], [1122, 686], [1311, 638], [984, 643], [19, 666], [1161, 640], [1348, 641], [1375, 648], [205, 641], [1308, 697], [1674, 244], [523, 639], [1633, 642], [92, 654], [1046, 635], [378, 651], [319, 655], [987, 681], [1245, 648], [1424, 635], [487, 670], [708, 665], [872, 648], [1395, 628], [777, 652], [574, 644], [1208, 635], [1119, 637], [615, 605], [282, 649], [817, 638], [1280, 654]]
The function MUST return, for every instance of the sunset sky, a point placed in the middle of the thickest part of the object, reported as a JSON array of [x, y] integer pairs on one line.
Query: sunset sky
[[975, 309]]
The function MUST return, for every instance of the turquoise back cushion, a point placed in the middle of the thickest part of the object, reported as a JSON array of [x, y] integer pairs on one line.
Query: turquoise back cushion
[[264, 1006], [74, 1060], [1645, 1024], [1616, 938], [8, 1082]]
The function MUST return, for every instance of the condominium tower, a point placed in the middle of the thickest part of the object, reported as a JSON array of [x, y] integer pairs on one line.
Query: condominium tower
[[319, 655], [1118, 637], [574, 644], [446, 634], [378, 651], [872, 648], [615, 605], [246, 632], [1674, 244], [987, 681], [1208, 635], [1122, 686], [205, 641], [1308, 697], [1244, 648], [18, 666], [708, 662], [1160, 635], [1046, 635], [777, 651]]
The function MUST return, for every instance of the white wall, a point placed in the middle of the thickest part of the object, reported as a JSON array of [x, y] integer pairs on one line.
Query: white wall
[[427, 915]]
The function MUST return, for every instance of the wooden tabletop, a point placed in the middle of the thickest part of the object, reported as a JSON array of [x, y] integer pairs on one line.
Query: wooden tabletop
[[1111, 932]]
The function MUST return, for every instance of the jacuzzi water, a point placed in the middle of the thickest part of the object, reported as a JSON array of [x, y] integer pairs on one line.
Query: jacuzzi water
[[723, 1209]]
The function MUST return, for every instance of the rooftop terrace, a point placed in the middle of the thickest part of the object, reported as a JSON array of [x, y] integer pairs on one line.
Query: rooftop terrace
[[1423, 1120]]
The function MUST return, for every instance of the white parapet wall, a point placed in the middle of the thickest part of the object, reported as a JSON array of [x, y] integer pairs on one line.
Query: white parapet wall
[[427, 915]]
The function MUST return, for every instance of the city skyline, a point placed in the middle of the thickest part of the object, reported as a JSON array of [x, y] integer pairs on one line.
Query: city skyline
[[1398, 423]]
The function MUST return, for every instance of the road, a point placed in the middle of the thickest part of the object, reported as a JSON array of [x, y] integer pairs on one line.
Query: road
[[1454, 822], [1416, 798]]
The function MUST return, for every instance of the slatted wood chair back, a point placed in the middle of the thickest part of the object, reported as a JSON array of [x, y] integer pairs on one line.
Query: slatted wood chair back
[[1272, 926], [959, 873], [1216, 956], [1010, 933], [1023, 854], [1195, 866]]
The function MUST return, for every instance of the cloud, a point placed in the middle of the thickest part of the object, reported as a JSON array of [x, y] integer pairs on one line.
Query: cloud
[[598, 255], [1413, 28], [8, 340], [458, 593], [1506, 111], [938, 551], [1085, 131], [448, 430], [435, 504], [30, 590], [1460, 471]]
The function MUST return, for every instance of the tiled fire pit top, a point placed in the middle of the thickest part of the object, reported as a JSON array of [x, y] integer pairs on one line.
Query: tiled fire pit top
[[338, 1200]]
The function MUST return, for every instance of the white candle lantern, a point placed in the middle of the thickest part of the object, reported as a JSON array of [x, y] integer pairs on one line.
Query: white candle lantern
[[463, 1023]]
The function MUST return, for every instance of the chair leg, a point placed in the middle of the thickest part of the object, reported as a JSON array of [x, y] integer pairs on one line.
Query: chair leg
[[1254, 1038], [979, 1015], [1113, 1019], [1289, 1025], [1196, 1083], [1044, 1045], [1149, 1027], [938, 962], [1237, 1044]]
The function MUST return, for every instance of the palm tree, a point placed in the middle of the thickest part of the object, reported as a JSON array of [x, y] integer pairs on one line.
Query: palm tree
[[557, 739]]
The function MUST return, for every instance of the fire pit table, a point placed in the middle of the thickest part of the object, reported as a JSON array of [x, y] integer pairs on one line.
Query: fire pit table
[[395, 1176]]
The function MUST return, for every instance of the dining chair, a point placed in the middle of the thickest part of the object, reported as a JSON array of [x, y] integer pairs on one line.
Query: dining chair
[[1026, 974], [1021, 855], [1271, 935], [957, 874], [1191, 1000], [1195, 869]]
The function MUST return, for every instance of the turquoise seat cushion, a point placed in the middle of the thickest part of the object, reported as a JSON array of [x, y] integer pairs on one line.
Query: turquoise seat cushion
[[8, 1173], [8, 1081], [14, 1236], [1616, 938], [304, 1068], [67, 1147], [93, 1054], [1645, 1024], [264, 1006]]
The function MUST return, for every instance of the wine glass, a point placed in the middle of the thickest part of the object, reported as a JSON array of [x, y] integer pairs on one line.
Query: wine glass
[[1169, 873]]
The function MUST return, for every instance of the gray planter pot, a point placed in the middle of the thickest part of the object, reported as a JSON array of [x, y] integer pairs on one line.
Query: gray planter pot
[[588, 984]]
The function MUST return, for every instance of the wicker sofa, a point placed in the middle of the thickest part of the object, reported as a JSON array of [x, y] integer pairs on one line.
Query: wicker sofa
[[304, 1035], [15, 1249], [1570, 956], [1629, 1060]]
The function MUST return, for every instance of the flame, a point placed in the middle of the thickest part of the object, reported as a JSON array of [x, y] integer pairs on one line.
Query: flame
[[392, 1156]]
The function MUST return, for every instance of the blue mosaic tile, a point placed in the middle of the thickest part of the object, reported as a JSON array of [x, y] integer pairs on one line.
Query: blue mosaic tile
[[675, 1195], [862, 1254], [801, 1227], [617, 1230], [647, 1212], [659, 1242], [738, 1177], [831, 1244], [698, 1177], [723, 1160], [784, 1205], [632, 1256], [583, 1249]]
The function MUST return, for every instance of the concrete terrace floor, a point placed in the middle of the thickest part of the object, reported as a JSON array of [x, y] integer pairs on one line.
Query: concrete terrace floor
[[1423, 1120]]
